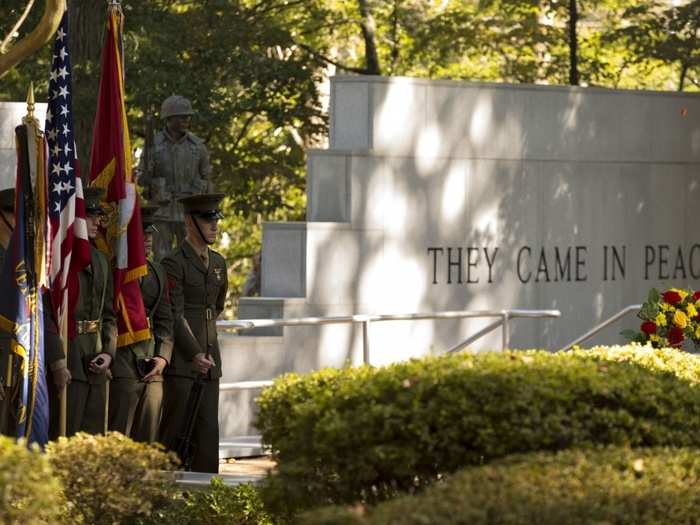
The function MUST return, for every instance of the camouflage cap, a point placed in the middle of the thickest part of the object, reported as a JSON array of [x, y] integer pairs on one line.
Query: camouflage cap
[[7, 199], [175, 105], [205, 205], [93, 200], [148, 212]]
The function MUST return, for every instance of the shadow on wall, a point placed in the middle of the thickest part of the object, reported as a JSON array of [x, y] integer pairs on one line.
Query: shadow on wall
[[540, 197]]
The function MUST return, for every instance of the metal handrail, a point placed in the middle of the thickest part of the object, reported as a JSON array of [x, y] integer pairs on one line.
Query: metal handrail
[[365, 319], [503, 321], [596, 329], [469, 340]]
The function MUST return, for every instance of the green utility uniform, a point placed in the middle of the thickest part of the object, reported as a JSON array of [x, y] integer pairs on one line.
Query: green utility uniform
[[135, 406], [198, 291], [95, 333]]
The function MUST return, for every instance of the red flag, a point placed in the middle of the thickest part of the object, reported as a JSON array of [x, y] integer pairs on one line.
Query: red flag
[[122, 237]]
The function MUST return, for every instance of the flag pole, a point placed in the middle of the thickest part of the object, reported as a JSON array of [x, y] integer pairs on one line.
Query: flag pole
[[63, 393]]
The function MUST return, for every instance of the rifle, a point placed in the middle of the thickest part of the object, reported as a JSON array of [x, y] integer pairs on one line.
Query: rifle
[[186, 448]]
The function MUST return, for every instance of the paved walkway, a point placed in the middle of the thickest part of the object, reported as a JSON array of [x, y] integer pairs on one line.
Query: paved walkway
[[232, 472]]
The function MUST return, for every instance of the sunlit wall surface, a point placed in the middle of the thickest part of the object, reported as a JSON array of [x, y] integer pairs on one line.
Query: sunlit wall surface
[[438, 195]]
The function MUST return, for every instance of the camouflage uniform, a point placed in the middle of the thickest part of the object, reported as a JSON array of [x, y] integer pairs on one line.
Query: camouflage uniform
[[173, 169], [198, 292], [135, 406]]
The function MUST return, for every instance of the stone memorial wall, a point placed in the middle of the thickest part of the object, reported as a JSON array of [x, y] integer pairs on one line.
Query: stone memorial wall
[[441, 195]]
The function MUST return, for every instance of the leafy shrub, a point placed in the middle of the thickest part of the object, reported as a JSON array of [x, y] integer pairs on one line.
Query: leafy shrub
[[110, 479], [620, 486], [365, 434], [29, 491], [217, 505]]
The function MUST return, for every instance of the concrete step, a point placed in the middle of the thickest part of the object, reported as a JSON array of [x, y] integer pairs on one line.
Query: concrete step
[[241, 447]]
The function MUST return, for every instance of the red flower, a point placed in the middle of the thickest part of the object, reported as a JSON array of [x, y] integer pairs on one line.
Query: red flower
[[672, 297], [696, 295], [675, 336], [648, 327]]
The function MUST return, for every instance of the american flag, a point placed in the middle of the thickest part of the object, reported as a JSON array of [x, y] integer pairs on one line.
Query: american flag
[[69, 250]]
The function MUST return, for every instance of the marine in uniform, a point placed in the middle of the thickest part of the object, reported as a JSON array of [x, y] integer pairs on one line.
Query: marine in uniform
[[7, 225], [92, 341], [136, 390], [176, 165], [54, 358], [198, 285]]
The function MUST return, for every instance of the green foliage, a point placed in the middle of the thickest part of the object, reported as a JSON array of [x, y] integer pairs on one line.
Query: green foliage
[[110, 479], [255, 69], [217, 505], [366, 434], [30, 493], [577, 487]]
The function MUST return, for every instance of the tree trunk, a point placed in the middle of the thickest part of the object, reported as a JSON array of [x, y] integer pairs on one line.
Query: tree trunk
[[394, 36], [573, 44], [86, 29], [684, 73], [369, 34]]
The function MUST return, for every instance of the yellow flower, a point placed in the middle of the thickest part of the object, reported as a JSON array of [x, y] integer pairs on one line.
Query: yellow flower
[[691, 310], [697, 333], [680, 319], [655, 338], [660, 320], [682, 293], [664, 306]]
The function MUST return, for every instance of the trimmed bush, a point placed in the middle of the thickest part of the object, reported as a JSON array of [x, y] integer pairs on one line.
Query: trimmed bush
[[111, 479], [217, 505], [620, 486], [29, 491], [365, 434]]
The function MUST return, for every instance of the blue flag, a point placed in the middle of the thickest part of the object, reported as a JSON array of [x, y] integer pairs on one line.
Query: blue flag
[[21, 280]]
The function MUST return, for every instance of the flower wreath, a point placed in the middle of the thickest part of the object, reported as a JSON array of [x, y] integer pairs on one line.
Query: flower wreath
[[668, 319]]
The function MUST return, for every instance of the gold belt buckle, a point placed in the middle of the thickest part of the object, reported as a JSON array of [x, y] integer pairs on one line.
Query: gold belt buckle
[[88, 326], [208, 314]]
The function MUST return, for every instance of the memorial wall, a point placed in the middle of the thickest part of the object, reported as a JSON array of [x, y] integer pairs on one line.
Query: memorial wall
[[441, 195]]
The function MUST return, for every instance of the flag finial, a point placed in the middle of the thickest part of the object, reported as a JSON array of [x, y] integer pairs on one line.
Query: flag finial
[[30, 103]]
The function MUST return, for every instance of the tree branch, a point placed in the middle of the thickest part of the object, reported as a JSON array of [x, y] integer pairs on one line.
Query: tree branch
[[6, 41], [244, 130], [313, 52], [269, 8]]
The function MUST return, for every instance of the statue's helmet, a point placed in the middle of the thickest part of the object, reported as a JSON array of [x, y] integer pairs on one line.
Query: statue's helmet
[[175, 105]]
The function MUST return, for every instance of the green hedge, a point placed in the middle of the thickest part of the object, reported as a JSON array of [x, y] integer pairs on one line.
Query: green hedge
[[218, 505], [109, 479], [365, 434], [30, 493], [611, 486]]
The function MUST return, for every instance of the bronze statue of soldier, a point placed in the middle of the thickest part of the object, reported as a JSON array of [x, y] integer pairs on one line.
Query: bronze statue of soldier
[[174, 165]]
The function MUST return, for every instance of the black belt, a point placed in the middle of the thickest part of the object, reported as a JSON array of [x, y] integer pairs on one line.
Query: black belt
[[209, 311]]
